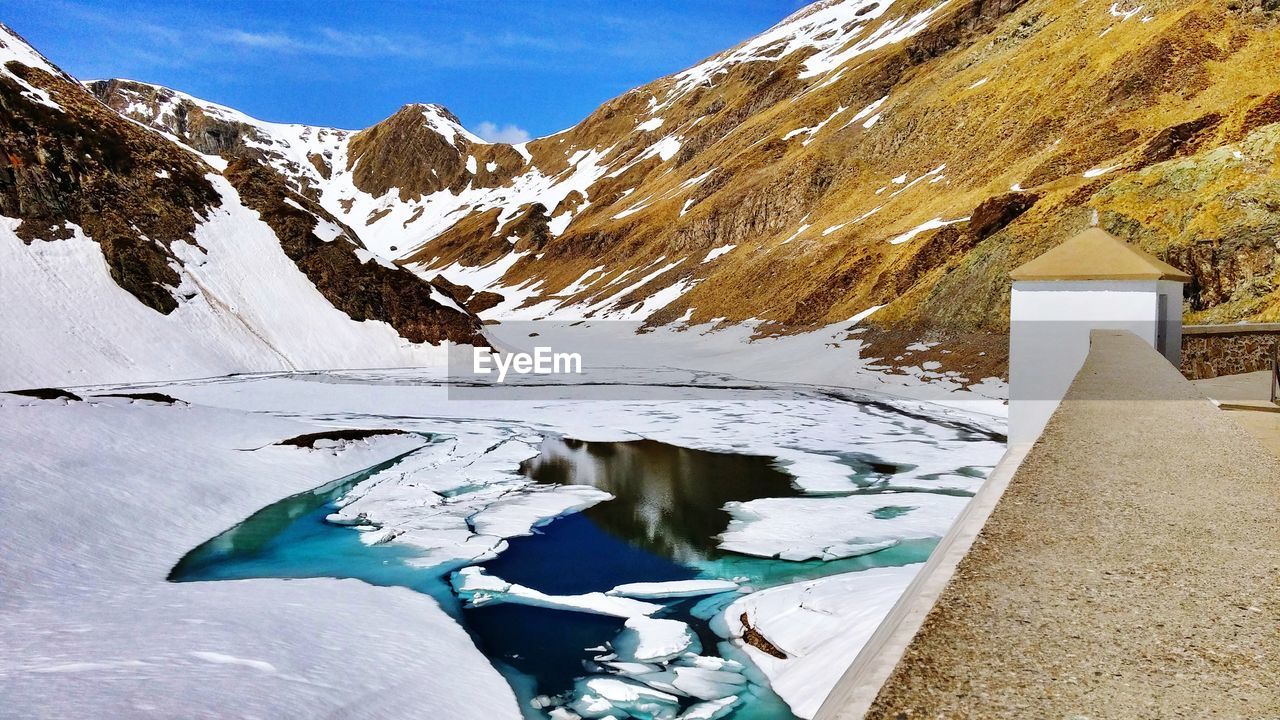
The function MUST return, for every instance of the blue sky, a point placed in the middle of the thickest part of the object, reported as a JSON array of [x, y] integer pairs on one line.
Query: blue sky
[[504, 67]]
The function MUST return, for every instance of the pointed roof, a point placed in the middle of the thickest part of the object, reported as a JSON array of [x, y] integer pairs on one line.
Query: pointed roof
[[1096, 254]]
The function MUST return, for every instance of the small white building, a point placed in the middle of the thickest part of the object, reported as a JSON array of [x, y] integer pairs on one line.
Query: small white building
[[1092, 281]]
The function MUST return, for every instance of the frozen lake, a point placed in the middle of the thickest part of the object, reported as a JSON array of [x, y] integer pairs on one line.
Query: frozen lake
[[602, 555]]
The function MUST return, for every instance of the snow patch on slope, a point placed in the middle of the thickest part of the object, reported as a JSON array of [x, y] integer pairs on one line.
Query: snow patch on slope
[[14, 49], [835, 32], [244, 306], [926, 226]]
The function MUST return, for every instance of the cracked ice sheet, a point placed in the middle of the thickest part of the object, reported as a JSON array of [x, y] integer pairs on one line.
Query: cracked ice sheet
[[820, 624], [653, 663], [654, 640], [479, 444], [805, 429], [833, 528], [457, 500], [90, 628], [433, 499]]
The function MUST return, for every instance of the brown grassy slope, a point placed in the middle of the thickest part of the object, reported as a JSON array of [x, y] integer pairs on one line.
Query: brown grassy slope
[[405, 153], [1034, 93]]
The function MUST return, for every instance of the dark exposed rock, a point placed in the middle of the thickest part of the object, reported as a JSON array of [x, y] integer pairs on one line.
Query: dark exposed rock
[[1239, 266], [363, 290], [1266, 112], [309, 440], [973, 17], [47, 394], [993, 214], [530, 229], [755, 639], [466, 296], [131, 190], [147, 396], [1181, 139]]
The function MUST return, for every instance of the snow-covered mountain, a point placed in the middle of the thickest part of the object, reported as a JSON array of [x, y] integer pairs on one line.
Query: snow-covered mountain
[[125, 255], [886, 160]]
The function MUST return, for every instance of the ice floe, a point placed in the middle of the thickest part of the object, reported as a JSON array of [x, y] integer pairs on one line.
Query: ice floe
[[654, 640], [830, 528], [655, 670], [476, 587], [673, 588], [608, 697]]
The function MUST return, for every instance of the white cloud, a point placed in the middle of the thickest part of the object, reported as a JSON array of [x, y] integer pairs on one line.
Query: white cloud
[[508, 133], [268, 41]]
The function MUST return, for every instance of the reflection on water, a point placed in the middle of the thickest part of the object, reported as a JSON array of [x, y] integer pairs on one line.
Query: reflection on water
[[669, 500]]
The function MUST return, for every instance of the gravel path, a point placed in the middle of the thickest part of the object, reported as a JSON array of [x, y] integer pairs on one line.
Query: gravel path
[[1131, 570]]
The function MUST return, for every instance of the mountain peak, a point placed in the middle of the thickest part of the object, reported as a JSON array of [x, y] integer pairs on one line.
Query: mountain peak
[[440, 120]]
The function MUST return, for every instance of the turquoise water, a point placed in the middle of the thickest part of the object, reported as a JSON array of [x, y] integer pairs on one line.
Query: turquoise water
[[291, 539], [660, 526]]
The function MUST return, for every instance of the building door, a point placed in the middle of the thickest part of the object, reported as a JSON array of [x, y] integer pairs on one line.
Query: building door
[[1162, 324]]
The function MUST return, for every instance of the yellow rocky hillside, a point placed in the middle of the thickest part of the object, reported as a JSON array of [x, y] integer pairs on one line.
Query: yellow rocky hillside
[[917, 154]]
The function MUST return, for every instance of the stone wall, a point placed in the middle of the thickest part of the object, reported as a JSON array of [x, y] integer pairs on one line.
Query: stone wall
[[1212, 350]]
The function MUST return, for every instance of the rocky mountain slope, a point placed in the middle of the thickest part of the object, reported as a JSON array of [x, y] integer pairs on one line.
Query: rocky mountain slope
[[126, 255], [888, 160], [900, 155]]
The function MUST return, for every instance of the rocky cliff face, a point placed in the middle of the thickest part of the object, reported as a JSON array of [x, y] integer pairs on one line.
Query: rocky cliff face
[[64, 158], [218, 131], [348, 275], [896, 157]]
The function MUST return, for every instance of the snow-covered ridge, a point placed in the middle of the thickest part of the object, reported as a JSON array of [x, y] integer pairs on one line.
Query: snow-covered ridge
[[442, 122], [14, 49], [287, 147], [831, 29], [398, 225]]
